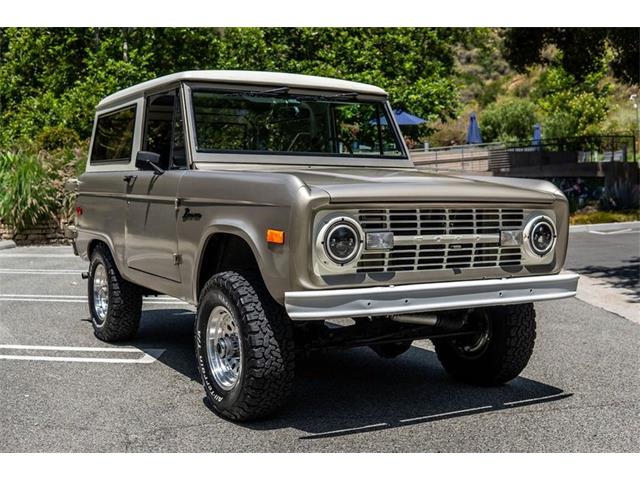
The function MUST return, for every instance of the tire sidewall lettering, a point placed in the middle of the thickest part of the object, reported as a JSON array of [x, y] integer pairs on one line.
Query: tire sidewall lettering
[[212, 299]]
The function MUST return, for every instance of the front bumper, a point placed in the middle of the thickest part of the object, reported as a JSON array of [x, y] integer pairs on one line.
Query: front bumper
[[427, 297]]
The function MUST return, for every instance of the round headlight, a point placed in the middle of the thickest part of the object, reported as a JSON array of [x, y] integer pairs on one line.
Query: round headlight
[[542, 236], [342, 243]]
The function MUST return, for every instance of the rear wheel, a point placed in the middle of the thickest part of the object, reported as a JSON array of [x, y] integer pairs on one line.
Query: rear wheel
[[244, 347], [115, 304], [498, 352]]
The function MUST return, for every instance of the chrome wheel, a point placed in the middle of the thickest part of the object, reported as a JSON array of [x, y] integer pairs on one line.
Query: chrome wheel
[[100, 292], [224, 349]]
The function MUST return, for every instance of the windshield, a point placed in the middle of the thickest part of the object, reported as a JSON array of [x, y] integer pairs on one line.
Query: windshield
[[281, 123]]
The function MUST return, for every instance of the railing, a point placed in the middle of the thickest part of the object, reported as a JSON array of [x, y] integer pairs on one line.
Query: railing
[[456, 157], [501, 157]]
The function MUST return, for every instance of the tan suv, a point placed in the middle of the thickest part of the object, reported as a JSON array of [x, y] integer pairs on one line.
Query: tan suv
[[287, 209]]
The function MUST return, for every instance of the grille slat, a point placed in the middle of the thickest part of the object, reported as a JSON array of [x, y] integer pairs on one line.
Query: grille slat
[[440, 221]]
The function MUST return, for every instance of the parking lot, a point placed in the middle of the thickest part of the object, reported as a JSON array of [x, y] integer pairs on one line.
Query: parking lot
[[61, 389]]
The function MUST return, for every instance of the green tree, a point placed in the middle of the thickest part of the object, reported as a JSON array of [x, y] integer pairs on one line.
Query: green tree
[[570, 108], [583, 49], [56, 76], [507, 120]]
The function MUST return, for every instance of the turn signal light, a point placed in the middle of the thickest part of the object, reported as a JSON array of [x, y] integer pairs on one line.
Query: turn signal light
[[275, 236]]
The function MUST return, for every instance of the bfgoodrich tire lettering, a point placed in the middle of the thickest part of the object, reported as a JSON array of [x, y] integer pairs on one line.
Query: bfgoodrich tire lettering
[[267, 360], [124, 304], [512, 333]]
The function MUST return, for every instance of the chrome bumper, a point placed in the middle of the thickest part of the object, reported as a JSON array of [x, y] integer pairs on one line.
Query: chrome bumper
[[427, 297], [71, 234]]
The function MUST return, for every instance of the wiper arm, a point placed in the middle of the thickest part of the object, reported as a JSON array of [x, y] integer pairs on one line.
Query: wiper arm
[[335, 96], [260, 93], [285, 90], [343, 95]]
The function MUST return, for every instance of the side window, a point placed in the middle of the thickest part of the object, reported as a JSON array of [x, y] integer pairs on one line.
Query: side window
[[163, 132], [113, 139]]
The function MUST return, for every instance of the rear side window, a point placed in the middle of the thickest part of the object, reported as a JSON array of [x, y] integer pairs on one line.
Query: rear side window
[[113, 141]]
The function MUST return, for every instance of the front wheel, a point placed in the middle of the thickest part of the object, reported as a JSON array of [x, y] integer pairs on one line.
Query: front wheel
[[244, 347], [498, 352]]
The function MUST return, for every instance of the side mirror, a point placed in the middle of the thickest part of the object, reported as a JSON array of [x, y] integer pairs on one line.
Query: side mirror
[[149, 161]]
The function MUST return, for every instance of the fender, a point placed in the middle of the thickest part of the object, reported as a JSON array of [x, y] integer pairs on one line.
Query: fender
[[267, 264], [86, 237]]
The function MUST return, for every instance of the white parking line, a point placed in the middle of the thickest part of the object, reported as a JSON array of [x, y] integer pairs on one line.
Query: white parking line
[[40, 296], [348, 430], [38, 255], [17, 271], [145, 359], [19, 297], [614, 232], [70, 349], [148, 355], [536, 399], [446, 414]]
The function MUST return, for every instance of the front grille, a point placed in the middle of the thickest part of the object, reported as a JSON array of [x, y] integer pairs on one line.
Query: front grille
[[440, 221]]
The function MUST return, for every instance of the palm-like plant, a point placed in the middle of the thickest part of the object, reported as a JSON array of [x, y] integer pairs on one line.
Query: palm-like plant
[[28, 194]]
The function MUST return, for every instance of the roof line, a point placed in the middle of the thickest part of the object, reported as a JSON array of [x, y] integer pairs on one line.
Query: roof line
[[243, 77]]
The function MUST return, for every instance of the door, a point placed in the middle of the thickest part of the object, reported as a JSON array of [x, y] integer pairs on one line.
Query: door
[[151, 243]]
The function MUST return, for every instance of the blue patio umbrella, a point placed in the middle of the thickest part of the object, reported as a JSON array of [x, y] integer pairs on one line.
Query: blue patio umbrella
[[473, 133], [537, 134], [402, 117]]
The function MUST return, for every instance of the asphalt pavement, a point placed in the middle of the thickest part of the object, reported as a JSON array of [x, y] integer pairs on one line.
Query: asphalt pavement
[[608, 258], [61, 389], [610, 252]]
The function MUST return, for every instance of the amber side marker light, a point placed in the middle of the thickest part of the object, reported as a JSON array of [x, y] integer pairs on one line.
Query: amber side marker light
[[275, 236]]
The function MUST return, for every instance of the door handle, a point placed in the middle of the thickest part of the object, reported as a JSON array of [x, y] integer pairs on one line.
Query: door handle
[[129, 178]]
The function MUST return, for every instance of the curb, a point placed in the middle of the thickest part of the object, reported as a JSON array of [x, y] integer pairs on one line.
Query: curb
[[6, 244], [603, 226]]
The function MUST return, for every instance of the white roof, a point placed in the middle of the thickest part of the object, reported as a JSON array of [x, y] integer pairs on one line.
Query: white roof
[[292, 80]]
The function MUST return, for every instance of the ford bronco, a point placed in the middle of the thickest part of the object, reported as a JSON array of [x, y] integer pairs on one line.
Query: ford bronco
[[288, 210]]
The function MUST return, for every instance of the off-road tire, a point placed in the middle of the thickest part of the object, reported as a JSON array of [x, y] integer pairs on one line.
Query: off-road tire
[[125, 301], [513, 333], [391, 350], [266, 333]]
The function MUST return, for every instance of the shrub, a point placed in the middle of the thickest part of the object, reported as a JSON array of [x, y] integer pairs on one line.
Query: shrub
[[55, 138], [622, 195], [28, 194], [62, 165], [453, 132], [510, 119]]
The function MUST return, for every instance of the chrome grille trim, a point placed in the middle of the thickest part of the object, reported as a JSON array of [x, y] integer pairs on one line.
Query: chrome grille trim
[[441, 238]]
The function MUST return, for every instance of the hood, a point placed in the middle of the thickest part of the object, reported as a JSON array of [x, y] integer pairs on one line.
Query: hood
[[408, 185]]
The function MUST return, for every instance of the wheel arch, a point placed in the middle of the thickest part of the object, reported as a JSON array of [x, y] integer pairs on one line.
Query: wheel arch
[[225, 247], [93, 242]]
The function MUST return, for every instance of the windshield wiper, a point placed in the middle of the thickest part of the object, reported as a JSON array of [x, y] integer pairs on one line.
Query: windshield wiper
[[343, 95], [285, 90], [334, 96], [260, 93]]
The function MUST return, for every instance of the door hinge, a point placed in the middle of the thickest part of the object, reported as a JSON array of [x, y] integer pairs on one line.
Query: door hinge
[[177, 259], [177, 203]]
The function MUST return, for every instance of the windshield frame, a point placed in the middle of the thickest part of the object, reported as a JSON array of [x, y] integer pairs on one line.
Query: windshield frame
[[293, 158]]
